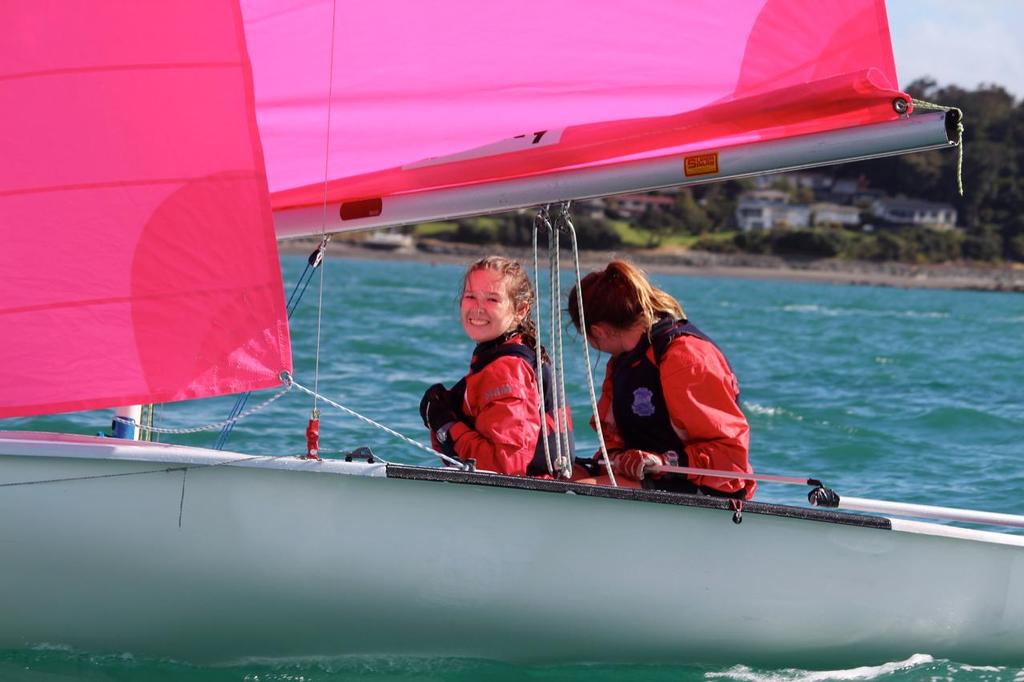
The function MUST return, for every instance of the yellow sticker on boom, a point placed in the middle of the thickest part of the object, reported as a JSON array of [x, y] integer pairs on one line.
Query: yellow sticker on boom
[[700, 164]]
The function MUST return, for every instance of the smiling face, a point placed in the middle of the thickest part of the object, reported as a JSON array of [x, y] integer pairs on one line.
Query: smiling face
[[487, 311]]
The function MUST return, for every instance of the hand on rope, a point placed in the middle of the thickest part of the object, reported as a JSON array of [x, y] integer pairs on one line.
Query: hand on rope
[[436, 407], [438, 416], [635, 463]]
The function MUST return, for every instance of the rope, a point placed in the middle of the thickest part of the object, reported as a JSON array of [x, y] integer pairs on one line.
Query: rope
[[586, 356], [291, 383], [553, 306], [562, 221], [929, 106], [315, 413], [396, 434], [89, 478], [215, 425], [539, 360], [312, 263]]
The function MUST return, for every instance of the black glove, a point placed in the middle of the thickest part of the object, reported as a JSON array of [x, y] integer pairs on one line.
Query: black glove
[[436, 409]]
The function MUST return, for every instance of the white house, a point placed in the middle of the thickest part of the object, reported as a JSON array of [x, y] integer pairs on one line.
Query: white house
[[765, 209], [827, 214], [915, 212], [629, 205]]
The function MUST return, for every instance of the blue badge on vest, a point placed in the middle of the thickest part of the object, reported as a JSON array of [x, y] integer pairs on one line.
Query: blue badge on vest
[[643, 405]]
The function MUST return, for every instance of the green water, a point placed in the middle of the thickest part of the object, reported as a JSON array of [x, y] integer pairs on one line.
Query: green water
[[911, 395]]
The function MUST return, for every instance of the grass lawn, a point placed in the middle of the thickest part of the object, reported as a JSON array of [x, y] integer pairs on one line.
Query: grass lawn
[[434, 230], [633, 237]]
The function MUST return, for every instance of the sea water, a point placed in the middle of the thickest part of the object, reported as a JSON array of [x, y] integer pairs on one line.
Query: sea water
[[901, 394]]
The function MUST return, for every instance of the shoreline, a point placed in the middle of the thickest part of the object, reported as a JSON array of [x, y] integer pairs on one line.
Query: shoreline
[[1003, 278]]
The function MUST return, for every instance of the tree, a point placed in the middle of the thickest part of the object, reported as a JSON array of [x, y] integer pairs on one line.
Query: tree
[[694, 219], [984, 243]]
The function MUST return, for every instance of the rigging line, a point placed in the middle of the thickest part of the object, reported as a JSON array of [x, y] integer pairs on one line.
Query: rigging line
[[539, 360], [314, 414], [71, 479], [930, 106], [165, 470], [396, 434], [552, 346], [586, 357], [215, 425], [181, 502], [312, 263], [563, 416]]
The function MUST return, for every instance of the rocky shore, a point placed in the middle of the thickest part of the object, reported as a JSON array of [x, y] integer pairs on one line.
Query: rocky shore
[[699, 263]]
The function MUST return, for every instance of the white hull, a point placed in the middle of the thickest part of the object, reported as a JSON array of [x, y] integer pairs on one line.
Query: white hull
[[281, 558]]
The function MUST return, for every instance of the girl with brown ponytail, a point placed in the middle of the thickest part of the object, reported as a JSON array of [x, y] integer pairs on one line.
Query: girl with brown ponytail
[[669, 396], [493, 414]]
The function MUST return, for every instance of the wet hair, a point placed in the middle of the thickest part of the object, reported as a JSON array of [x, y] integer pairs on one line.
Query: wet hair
[[621, 296], [517, 287]]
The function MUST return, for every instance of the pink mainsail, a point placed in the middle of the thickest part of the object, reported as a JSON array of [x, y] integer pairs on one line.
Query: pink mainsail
[[582, 83], [137, 261]]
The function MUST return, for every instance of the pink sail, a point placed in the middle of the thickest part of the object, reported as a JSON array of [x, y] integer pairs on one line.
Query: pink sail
[[138, 260], [603, 81]]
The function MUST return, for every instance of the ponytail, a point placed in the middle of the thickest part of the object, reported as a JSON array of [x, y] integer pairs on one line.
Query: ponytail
[[621, 296]]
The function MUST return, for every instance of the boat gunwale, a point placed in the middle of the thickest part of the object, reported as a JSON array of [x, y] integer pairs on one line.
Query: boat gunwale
[[408, 472]]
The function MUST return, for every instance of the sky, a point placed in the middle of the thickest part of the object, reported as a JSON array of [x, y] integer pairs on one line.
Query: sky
[[959, 42]]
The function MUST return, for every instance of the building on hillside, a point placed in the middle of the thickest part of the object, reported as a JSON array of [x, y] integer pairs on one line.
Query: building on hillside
[[819, 182], [765, 209], [592, 208], [915, 212], [632, 205], [825, 214]]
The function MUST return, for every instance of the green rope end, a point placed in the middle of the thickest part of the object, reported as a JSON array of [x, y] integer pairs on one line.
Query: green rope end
[[959, 141]]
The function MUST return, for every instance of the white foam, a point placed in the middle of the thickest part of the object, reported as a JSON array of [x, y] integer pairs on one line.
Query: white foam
[[767, 411], [812, 308], [871, 672]]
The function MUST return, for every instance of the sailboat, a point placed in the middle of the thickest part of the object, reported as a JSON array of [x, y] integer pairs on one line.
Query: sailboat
[[154, 152]]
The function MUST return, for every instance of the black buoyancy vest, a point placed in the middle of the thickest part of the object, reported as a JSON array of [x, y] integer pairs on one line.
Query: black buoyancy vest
[[485, 354], [638, 400]]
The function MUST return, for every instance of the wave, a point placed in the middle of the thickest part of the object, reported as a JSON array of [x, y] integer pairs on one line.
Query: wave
[[745, 674], [828, 311], [768, 411], [917, 667]]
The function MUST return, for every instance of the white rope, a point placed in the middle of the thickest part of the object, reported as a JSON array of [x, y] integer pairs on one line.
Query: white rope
[[562, 450], [539, 360], [396, 434], [290, 382], [207, 427], [315, 413], [562, 414], [586, 356]]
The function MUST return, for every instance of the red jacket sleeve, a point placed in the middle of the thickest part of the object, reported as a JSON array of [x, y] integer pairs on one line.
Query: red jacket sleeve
[[700, 393], [612, 438], [502, 399]]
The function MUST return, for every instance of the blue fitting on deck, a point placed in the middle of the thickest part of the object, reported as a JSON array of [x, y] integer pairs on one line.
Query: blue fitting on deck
[[123, 427]]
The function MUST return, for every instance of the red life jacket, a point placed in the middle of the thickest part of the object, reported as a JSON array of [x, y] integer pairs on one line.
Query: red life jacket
[[488, 352]]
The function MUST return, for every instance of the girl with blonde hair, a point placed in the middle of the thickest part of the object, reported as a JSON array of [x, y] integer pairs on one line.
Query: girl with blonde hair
[[493, 415]]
